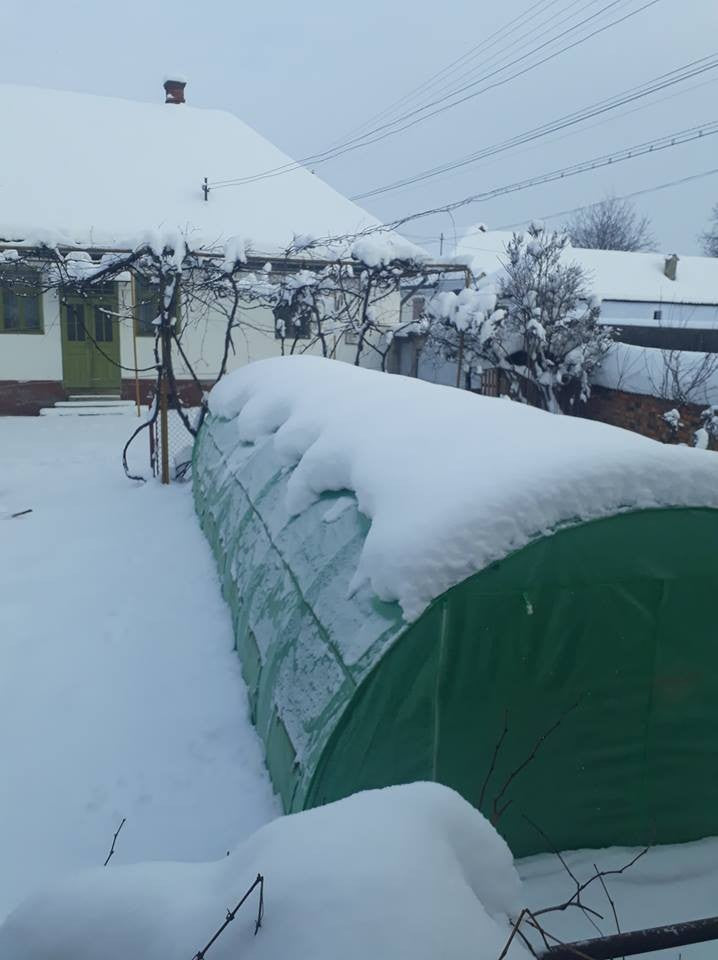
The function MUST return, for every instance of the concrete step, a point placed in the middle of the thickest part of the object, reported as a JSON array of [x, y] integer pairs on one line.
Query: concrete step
[[93, 396], [86, 402], [85, 411]]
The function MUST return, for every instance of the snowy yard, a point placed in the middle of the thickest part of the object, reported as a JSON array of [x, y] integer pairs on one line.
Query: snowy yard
[[120, 695]]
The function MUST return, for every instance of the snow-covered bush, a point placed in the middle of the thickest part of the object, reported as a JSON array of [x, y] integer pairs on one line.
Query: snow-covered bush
[[548, 334], [535, 320], [708, 429]]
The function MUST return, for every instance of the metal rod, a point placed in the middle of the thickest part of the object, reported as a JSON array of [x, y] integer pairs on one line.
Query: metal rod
[[636, 941], [135, 322]]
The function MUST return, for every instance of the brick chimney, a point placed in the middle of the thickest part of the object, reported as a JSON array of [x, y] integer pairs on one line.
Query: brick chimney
[[174, 90], [671, 267]]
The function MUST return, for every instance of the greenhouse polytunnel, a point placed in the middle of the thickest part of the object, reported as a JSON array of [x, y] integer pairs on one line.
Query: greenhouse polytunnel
[[426, 584]]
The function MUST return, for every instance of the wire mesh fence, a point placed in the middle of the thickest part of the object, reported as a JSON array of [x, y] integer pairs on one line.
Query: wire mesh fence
[[171, 442]]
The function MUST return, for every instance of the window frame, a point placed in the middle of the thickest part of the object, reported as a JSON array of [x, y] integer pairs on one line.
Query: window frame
[[282, 313], [150, 330], [23, 278], [141, 328]]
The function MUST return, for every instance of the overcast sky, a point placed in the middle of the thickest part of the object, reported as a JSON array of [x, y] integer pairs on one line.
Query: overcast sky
[[307, 74]]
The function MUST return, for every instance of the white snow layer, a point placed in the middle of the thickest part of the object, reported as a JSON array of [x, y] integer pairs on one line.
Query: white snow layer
[[450, 481], [138, 167], [120, 692], [411, 871]]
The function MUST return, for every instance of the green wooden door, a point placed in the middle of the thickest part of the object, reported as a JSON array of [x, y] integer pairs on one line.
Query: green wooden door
[[90, 344]]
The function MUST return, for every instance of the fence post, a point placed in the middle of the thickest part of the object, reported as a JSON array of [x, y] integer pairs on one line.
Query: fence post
[[164, 435]]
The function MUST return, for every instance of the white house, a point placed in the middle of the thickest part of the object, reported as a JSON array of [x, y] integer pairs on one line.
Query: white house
[[101, 173], [657, 300]]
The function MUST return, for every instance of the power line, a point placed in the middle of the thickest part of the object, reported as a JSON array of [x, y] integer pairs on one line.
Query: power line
[[659, 144], [321, 155], [517, 43], [504, 32], [625, 196], [687, 72], [381, 133]]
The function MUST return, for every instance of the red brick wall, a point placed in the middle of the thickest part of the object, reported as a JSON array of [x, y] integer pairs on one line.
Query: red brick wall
[[643, 414], [25, 398]]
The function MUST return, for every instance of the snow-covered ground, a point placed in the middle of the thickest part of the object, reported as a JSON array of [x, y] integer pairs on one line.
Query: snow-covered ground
[[120, 695]]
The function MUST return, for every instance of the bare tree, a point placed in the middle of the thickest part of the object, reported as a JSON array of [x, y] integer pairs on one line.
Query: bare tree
[[683, 377], [709, 238], [612, 224]]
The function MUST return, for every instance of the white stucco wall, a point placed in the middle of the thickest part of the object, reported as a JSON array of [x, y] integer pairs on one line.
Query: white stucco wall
[[38, 356], [34, 356], [254, 339]]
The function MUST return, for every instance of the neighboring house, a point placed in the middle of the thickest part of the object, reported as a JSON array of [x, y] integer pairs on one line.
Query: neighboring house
[[657, 300], [665, 311], [101, 173]]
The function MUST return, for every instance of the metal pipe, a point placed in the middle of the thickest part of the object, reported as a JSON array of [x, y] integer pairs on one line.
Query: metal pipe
[[635, 942]]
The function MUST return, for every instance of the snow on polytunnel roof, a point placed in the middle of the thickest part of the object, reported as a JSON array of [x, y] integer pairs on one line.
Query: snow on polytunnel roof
[[90, 170], [613, 274], [450, 481]]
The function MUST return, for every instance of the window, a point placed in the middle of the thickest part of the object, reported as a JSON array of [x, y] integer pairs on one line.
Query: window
[[103, 325], [417, 308], [147, 305], [20, 303], [292, 322], [76, 330], [657, 314]]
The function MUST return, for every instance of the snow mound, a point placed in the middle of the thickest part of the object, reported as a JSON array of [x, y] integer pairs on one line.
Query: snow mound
[[411, 871], [451, 481]]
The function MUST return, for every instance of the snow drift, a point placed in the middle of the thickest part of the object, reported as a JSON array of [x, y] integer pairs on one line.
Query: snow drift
[[410, 871], [450, 481]]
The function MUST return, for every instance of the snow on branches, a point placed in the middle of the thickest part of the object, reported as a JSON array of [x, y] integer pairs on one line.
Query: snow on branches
[[535, 321]]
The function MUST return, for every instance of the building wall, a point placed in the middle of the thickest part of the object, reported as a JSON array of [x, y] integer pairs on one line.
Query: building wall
[[31, 364], [699, 316]]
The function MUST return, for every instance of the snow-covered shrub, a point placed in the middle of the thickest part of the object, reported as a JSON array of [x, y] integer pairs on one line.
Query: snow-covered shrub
[[708, 429], [673, 419], [549, 333], [535, 321]]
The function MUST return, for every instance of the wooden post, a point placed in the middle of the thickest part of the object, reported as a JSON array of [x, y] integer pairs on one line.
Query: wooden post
[[164, 438], [135, 321], [460, 358]]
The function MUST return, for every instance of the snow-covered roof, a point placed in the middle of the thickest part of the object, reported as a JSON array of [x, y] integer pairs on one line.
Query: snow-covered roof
[[85, 169], [450, 481], [614, 274]]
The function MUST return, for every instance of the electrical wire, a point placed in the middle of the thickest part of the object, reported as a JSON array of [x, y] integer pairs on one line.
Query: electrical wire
[[659, 144], [625, 196], [687, 72], [504, 32], [381, 133]]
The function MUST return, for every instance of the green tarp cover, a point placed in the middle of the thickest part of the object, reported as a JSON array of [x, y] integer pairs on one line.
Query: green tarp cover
[[589, 656]]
